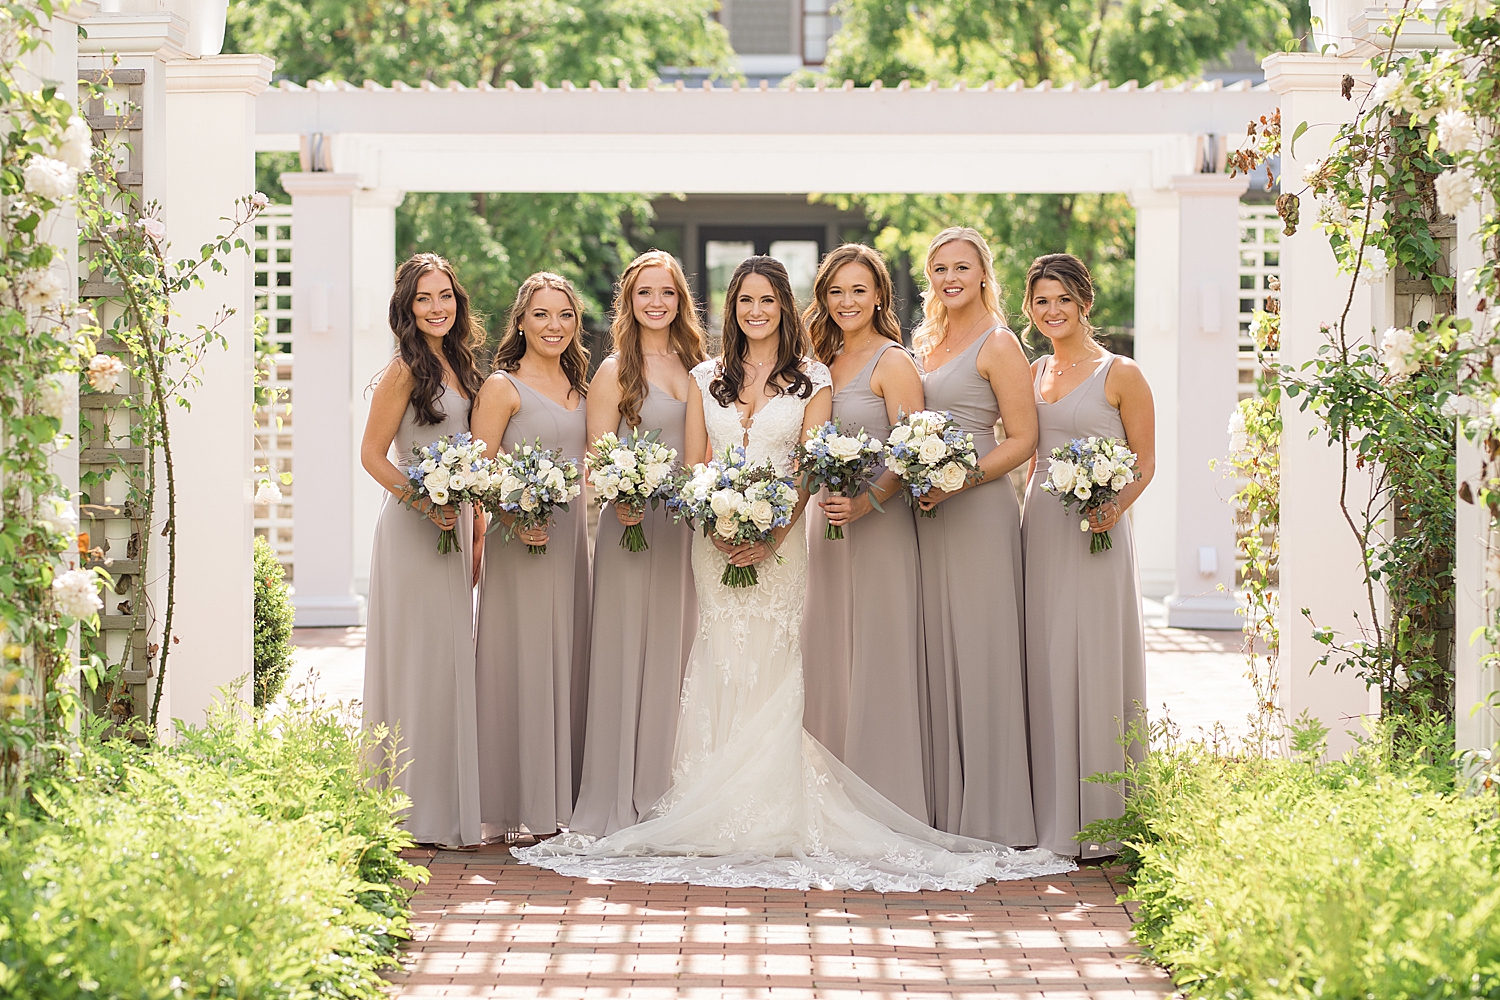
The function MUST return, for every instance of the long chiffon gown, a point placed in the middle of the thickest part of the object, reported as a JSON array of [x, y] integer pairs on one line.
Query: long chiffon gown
[[1085, 660], [419, 650], [862, 647], [532, 649], [974, 626], [645, 613], [755, 800]]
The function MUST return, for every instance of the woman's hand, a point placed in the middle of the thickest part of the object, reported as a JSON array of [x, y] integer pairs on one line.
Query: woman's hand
[[627, 516], [936, 496], [846, 510], [533, 536], [445, 516], [1101, 519], [748, 553]]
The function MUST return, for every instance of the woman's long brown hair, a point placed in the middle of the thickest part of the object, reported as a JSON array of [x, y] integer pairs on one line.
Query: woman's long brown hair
[[827, 335], [794, 345], [459, 344], [685, 334], [575, 357]]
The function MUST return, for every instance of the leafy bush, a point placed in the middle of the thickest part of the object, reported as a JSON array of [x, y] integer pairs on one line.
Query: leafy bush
[[273, 625], [1366, 877], [252, 860]]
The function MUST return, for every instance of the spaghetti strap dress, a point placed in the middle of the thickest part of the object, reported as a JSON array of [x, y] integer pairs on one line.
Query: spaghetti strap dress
[[862, 649], [645, 614], [532, 649], [1086, 660], [974, 624], [419, 650]]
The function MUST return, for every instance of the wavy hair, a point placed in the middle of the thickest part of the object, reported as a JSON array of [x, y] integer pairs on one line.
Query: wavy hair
[[461, 340], [827, 336], [729, 381], [685, 334], [512, 347], [1073, 275], [933, 329]]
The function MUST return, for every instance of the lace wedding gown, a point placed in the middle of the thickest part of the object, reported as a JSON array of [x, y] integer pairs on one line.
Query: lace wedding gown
[[755, 800]]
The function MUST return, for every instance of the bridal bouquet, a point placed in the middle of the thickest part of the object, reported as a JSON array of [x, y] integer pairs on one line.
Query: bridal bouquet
[[451, 470], [846, 464], [1090, 472], [629, 473], [528, 483], [737, 501], [927, 449]]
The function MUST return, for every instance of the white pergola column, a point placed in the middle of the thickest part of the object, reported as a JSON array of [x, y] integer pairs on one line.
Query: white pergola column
[[210, 162], [1207, 373], [1321, 562], [325, 456], [1157, 262]]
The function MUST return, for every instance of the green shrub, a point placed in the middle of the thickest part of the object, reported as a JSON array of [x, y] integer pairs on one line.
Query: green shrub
[[252, 860], [1366, 877], [273, 625]]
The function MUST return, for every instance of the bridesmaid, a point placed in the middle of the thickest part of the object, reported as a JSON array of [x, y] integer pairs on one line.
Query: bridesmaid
[[645, 607], [1085, 648], [974, 368], [419, 652], [533, 643], [862, 651]]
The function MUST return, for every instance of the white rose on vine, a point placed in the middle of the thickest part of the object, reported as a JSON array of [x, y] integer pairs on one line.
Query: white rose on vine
[[58, 514], [1456, 131], [104, 372], [76, 593], [154, 228], [1333, 212], [1374, 265], [267, 492], [52, 397], [43, 289], [1455, 190], [77, 146], [49, 178], [1239, 438], [1398, 352]]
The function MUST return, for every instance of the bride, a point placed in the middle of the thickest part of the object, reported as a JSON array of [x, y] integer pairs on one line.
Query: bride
[[755, 800]]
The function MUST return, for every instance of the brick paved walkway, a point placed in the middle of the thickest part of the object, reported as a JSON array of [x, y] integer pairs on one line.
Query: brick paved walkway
[[486, 926]]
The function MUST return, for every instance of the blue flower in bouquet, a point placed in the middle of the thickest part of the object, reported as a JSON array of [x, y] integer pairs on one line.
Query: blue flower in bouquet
[[450, 470], [845, 464], [1088, 473], [737, 501], [528, 484], [928, 450]]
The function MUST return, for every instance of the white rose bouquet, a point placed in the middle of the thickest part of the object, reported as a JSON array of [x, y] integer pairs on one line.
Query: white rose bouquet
[[630, 474], [528, 483], [451, 470], [738, 502], [1090, 472], [845, 463], [927, 449]]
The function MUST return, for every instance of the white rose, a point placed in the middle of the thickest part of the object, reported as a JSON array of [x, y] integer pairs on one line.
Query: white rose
[[436, 480], [52, 399], [58, 513], [1101, 471], [1455, 190], [528, 500], [657, 472], [555, 479], [451, 456], [844, 448], [104, 372], [49, 178], [1062, 473], [725, 503], [951, 478], [762, 513], [1237, 436], [77, 147], [1082, 491], [259, 199], [429, 465], [1398, 352], [509, 484], [1374, 266], [623, 458], [76, 593], [267, 492], [897, 466], [899, 433], [1119, 482], [726, 526], [42, 289], [931, 450], [1456, 132], [154, 228]]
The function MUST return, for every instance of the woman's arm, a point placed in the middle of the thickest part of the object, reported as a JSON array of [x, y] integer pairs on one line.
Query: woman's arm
[[1002, 362], [695, 447], [1126, 388], [895, 379], [387, 407]]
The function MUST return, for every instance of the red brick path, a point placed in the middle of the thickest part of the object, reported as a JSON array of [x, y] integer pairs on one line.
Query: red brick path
[[486, 926]]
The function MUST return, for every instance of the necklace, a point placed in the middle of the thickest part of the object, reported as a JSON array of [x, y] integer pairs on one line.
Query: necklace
[[1056, 371], [949, 350]]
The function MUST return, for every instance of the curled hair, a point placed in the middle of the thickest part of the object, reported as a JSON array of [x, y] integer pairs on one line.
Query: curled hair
[[685, 334], [793, 346], [1072, 274], [463, 337], [512, 347], [933, 329], [827, 336]]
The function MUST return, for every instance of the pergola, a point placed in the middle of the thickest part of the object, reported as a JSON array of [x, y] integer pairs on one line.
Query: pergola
[[1163, 147]]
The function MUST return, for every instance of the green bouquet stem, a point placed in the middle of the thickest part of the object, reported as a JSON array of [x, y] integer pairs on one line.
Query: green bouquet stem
[[924, 512], [739, 576], [447, 540], [634, 538], [537, 550], [1100, 542], [833, 532]]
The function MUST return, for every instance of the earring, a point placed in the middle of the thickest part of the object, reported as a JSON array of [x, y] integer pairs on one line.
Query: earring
[[877, 307]]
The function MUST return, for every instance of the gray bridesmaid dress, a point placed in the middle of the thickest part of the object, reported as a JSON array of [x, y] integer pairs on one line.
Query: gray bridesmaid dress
[[645, 615], [974, 628], [419, 650], [1085, 658], [863, 659], [532, 649]]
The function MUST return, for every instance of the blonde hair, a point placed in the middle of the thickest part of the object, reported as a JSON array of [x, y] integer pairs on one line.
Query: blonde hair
[[933, 329], [827, 335], [1072, 274], [685, 334], [575, 357]]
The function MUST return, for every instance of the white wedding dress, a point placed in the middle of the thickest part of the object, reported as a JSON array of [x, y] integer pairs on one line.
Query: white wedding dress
[[755, 800]]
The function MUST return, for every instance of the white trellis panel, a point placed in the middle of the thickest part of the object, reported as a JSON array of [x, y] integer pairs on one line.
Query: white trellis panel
[[273, 430], [1260, 261]]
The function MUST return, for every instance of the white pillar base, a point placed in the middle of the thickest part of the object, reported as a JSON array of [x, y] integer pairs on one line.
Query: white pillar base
[[1217, 612], [322, 612]]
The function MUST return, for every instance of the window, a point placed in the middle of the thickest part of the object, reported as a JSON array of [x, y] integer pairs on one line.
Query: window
[[818, 26]]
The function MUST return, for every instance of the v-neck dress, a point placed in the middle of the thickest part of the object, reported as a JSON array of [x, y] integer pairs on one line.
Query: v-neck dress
[[862, 651], [532, 648], [974, 628], [419, 649], [645, 615], [1086, 660]]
